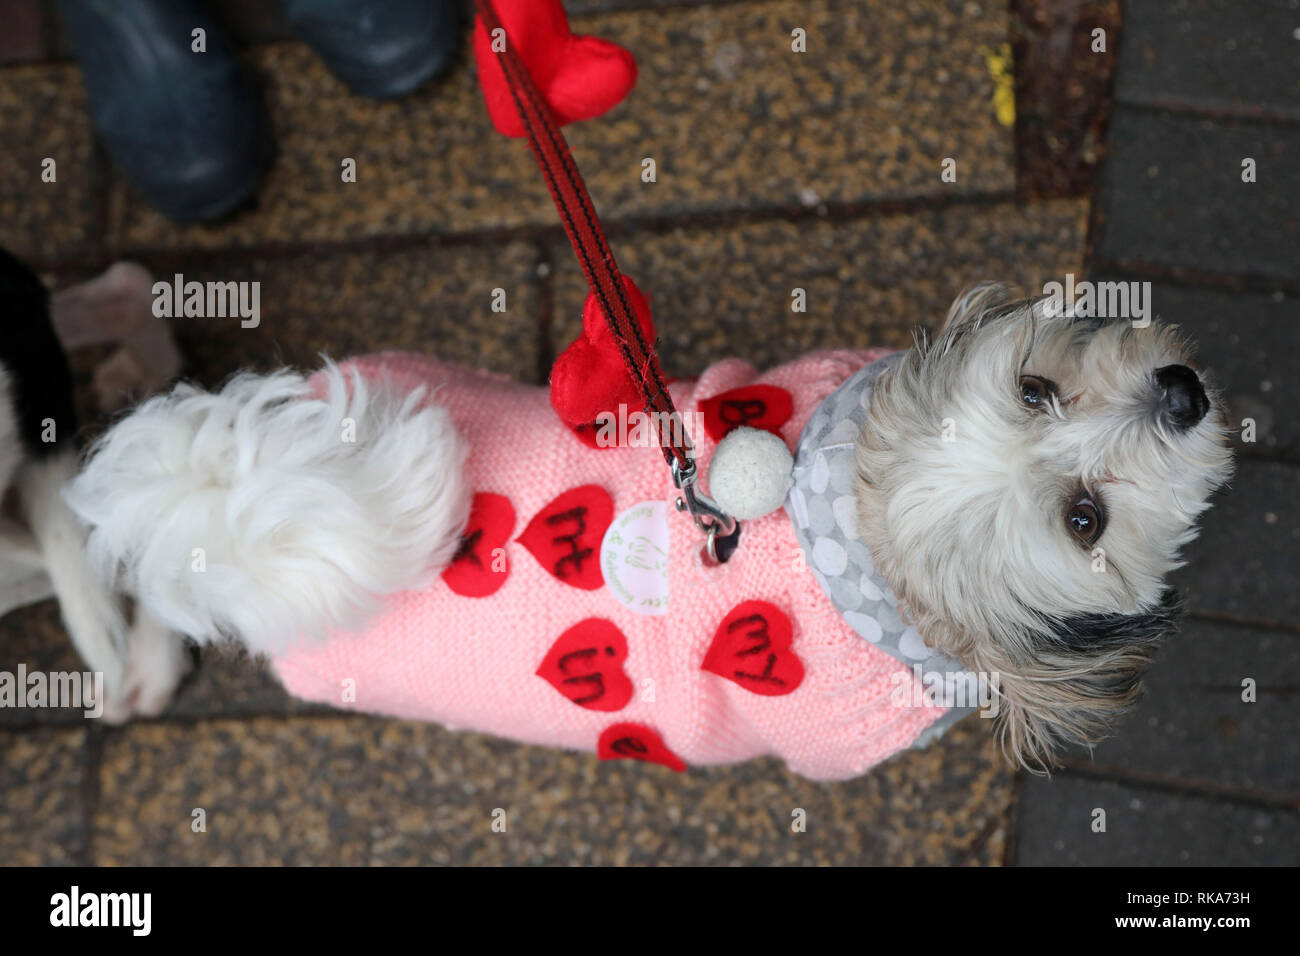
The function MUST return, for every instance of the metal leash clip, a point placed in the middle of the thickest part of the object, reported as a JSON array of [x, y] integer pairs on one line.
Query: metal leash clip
[[709, 517]]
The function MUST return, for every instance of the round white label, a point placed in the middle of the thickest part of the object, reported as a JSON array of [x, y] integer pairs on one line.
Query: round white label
[[634, 558]]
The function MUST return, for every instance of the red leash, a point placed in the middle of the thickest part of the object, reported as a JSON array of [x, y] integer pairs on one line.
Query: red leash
[[583, 228]]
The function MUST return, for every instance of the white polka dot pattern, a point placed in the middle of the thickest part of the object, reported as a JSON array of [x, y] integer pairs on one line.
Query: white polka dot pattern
[[824, 512]]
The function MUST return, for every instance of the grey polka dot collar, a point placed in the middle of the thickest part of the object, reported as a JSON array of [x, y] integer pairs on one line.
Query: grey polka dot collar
[[821, 505]]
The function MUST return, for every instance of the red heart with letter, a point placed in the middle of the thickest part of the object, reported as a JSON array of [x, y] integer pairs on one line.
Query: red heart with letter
[[752, 648], [479, 567], [636, 742], [578, 76], [754, 406], [565, 536], [585, 664]]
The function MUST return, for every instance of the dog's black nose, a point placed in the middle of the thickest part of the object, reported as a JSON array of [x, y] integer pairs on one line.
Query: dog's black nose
[[1184, 400]]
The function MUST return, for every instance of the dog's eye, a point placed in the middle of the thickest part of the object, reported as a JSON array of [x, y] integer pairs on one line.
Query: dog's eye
[[1036, 392], [1085, 519]]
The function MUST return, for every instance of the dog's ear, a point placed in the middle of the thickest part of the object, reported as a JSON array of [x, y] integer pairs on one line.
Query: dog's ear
[[1079, 677]]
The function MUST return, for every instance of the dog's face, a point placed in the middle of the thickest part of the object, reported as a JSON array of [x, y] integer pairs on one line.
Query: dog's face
[[1026, 483]]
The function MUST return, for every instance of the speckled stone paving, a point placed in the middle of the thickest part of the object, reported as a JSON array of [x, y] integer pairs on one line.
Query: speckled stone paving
[[362, 791], [44, 820], [339, 303], [43, 116]]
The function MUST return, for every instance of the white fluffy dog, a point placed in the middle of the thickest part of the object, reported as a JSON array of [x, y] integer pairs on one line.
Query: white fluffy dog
[[1024, 484], [1039, 545]]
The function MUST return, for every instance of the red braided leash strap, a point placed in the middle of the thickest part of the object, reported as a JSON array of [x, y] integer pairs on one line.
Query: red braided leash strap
[[583, 228]]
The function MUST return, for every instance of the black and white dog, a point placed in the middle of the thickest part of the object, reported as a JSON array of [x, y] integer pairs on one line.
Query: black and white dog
[[42, 545]]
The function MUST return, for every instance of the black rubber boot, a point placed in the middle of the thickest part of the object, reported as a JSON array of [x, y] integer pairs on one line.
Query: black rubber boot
[[185, 127], [379, 48]]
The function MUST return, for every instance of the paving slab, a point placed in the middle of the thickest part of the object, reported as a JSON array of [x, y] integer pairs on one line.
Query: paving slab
[[722, 292], [339, 303], [1248, 342], [355, 790], [43, 116], [1172, 196], [732, 117], [1147, 828], [1236, 56], [1193, 724], [42, 806], [1244, 563]]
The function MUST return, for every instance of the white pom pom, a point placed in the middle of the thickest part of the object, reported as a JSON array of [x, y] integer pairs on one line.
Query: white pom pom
[[749, 473]]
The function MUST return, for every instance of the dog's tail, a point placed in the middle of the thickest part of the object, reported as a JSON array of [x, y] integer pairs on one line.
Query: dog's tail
[[272, 512]]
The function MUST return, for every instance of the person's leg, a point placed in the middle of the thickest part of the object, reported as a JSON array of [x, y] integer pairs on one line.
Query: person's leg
[[175, 108], [379, 48]]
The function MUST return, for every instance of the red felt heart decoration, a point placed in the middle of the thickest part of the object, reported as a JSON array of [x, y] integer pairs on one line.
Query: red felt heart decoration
[[590, 376], [578, 76], [755, 406], [479, 567], [565, 536], [585, 664], [752, 648], [636, 742]]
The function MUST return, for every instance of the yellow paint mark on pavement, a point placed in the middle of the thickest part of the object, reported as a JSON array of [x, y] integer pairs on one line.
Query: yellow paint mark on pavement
[[1002, 69]]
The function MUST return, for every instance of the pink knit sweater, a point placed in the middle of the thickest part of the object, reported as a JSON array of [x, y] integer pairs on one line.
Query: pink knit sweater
[[524, 637]]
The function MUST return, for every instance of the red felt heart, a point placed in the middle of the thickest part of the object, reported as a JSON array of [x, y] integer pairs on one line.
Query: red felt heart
[[636, 742], [590, 377], [565, 536], [479, 567], [752, 648], [578, 76], [585, 664], [755, 406]]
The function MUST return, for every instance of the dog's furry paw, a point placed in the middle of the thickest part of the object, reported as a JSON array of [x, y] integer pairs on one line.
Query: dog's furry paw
[[157, 662]]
